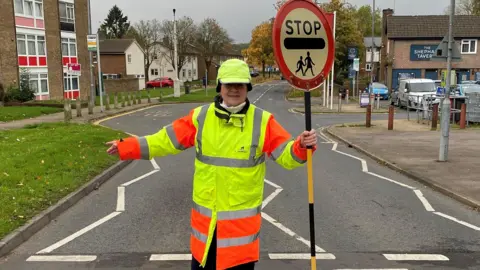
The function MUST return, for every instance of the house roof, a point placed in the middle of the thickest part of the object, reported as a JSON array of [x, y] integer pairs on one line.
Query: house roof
[[367, 41], [432, 26], [115, 46]]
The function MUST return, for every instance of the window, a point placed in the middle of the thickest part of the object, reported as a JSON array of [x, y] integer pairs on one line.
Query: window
[[70, 82], [39, 83], [469, 46], [189, 73], [67, 12], [31, 45], [194, 72], [69, 47], [129, 58], [183, 73], [154, 71], [368, 67], [29, 8]]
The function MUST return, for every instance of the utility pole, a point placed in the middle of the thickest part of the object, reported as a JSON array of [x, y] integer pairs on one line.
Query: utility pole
[[92, 80], [176, 86], [445, 118]]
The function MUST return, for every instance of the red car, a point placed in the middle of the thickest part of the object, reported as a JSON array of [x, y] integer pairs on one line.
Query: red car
[[160, 82]]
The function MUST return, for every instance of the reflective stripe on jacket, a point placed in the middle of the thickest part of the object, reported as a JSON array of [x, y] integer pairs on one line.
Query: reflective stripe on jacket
[[229, 174]]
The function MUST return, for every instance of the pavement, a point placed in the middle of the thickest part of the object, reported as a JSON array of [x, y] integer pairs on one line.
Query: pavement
[[351, 107], [366, 215], [414, 148]]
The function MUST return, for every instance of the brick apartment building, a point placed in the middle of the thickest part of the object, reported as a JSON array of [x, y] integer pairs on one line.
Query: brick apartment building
[[408, 43], [43, 36]]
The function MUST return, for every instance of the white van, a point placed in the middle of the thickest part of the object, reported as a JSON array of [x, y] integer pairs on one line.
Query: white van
[[413, 90]]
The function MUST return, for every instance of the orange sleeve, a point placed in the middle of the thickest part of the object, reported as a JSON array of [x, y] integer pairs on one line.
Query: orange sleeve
[[276, 135], [185, 130], [129, 148]]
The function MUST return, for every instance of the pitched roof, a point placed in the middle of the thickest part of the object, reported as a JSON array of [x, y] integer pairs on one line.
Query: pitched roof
[[432, 26], [115, 46], [367, 41]]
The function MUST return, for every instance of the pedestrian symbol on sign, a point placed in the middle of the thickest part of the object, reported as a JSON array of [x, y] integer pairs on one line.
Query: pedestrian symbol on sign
[[308, 63]]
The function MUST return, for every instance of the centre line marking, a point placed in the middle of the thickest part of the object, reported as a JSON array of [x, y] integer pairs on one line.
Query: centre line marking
[[64, 258], [120, 199], [300, 256], [171, 257], [415, 257]]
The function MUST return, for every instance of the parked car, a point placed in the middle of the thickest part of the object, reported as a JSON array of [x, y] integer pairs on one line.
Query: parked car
[[467, 88], [379, 89], [254, 73], [160, 82], [411, 91]]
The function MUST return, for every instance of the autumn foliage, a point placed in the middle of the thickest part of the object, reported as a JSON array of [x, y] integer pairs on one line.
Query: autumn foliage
[[260, 51]]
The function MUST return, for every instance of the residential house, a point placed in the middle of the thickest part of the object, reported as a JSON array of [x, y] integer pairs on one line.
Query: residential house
[[409, 42], [366, 62], [162, 65]]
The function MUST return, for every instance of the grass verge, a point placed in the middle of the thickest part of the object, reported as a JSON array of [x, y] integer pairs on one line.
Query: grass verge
[[198, 96], [12, 113], [43, 163]]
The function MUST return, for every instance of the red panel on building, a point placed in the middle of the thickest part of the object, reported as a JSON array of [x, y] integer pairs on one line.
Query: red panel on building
[[73, 60], [65, 60], [32, 61], [22, 61], [71, 94], [42, 60], [22, 21], [40, 24]]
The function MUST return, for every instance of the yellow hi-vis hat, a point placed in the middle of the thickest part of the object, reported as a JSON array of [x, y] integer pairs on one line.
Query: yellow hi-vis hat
[[234, 71]]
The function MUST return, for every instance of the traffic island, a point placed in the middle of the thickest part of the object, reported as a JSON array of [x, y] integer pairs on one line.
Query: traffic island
[[345, 108], [413, 150]]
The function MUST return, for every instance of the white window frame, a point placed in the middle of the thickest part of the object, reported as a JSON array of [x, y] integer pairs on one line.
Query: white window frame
[[38, 38], [68, 82], [368, 67], [469, 43], [38, 78], [34, 10], [69, 41], [154, 72], [69, 10], [129, 58]]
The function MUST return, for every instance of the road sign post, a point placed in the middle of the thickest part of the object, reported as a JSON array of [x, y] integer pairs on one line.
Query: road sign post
[[304, 50]]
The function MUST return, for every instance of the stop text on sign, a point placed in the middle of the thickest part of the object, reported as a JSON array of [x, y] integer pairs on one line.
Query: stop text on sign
[[304, 35], [307, 27]]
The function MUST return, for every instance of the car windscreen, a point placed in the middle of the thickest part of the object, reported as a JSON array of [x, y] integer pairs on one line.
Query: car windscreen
[[379, 86], [423, 87], [471, 88]]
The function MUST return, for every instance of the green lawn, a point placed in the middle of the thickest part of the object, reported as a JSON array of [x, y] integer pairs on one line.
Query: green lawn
[[198, 96], [12, 113], [43, 163]]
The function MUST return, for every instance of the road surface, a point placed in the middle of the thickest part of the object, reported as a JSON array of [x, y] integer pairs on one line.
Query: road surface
[[367, 216]]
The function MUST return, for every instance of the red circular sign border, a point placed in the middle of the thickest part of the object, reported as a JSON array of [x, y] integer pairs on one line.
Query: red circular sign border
[[277, 28]]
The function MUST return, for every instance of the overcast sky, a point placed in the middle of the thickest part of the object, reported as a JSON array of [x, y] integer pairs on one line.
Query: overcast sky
[[239, 17]]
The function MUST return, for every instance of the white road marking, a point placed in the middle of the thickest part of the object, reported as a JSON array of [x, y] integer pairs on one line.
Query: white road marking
[[424, 201], [120, 199], [139, 178], [78, 233], [458, 221], [272, 184], [63, 258], [415, 257], [171, 257], [154, 164], [289, 232], [300, 256], [391, 180], [262, 95], [271, 197], [417, 192], [373, 269]]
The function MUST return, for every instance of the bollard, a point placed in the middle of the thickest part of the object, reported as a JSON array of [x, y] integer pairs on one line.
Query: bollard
[[148, 96], [347, 96], [139, 97], [122, 96], [378, 102], [134, 98], [115, 100], [129, 102], [391, 112], [463, 114], [434, 116], [107, 102], [339, 102], [91, 104], [79, 107], [369, 116], [67, 110]]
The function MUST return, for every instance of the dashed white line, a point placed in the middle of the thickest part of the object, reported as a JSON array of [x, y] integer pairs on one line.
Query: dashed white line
[[78, 233], [63, 258], [171, 257], [458, 221], [415, 257], [120, 199], [289, 232], [391, 180], [300, 256], [424, 201], [262, 95], [139, 178], [373, 269]]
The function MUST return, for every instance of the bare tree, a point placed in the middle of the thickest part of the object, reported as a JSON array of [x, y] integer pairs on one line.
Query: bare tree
[[186, 30], [211, 40], [466, 7], [147, 34]]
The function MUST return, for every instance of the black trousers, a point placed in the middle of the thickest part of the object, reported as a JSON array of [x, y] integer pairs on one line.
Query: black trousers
[[212, 258]]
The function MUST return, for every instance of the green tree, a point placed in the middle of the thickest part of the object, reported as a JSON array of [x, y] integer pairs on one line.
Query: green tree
[[116, 25], [465, 7], [364, 17]]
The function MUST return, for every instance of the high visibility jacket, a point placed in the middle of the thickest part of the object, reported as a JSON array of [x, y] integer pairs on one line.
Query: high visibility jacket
[[229, 173]]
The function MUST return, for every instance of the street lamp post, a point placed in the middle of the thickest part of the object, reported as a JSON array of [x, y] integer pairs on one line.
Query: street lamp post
[[373, 40], [176, 86], [92, 80]]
